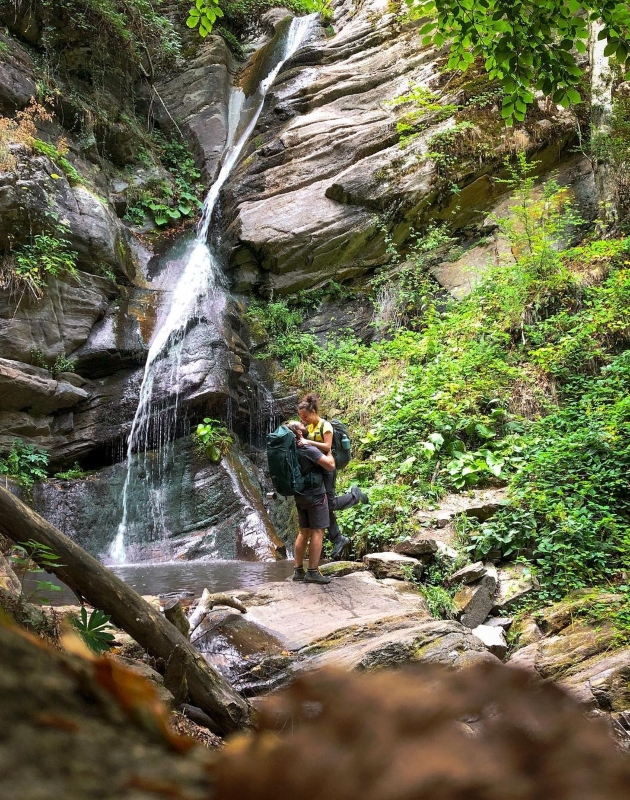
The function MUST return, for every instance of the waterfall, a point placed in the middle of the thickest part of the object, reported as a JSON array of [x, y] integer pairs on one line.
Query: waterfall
[[200, 286]]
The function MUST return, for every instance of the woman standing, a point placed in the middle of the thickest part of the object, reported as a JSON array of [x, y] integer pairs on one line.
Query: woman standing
[[320, 433]]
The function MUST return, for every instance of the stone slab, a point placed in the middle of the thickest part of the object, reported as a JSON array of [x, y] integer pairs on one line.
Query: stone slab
[[427, 641], [300, 614]]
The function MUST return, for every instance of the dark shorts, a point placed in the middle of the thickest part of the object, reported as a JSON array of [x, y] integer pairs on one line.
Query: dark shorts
[[313, 511]]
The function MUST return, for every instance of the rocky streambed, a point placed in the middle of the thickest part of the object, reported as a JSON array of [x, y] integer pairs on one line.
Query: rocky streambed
[[262, 637]]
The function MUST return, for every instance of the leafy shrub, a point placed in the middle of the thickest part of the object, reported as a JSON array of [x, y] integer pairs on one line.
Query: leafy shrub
[[25, 464], [62, 364], [94, 629], [569, 504], [169, 203], [213, 439], [422, 108], [32, 558], [524, 382], [132, 30], [440, 602], [28, 265]]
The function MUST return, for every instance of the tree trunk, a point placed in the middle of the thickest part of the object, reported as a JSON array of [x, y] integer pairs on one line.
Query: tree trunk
[[104, 590]]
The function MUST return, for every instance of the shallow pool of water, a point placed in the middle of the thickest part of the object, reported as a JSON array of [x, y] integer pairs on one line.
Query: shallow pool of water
[[181, 576]]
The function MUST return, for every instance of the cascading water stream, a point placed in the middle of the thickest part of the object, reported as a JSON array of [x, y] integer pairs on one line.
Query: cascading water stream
[[200, 283]]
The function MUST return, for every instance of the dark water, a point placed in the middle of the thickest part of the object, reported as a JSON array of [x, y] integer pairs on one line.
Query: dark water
[[180, 576]]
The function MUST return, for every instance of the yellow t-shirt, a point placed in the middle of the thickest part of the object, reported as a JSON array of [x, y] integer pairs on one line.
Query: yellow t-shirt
[[316, 432]]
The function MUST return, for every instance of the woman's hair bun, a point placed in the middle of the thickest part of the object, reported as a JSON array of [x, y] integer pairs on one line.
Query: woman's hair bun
[[310, 402]]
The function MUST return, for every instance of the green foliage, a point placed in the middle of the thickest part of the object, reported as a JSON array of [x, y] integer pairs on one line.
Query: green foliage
[[240, 16], [31, 558], [213, 439], [133, 30], [24, 464], [278, 326], [447, 148], [569, 504], [406, 292], [423, 108], [525, 47], [203, 15], [232, 42], [45, 254], [614, 609], [170, 203], [47, 149], [94, 629], [440, 601], [75, 473], [524, 382], [60, 364]]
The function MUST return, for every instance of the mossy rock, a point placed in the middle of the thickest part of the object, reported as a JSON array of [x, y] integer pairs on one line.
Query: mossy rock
[[338, 569]]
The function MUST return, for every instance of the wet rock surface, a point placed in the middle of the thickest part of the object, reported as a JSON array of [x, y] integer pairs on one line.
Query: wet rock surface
[[197, 101], [183, 507]]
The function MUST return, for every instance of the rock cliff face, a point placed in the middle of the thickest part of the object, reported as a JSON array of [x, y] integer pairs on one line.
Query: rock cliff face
[[329, 178]]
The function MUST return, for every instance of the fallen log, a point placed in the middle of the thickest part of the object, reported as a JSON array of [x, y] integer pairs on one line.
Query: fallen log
[[101, 588], [207, 602]]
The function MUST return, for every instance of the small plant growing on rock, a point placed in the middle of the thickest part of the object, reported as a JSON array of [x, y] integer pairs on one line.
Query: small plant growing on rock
[[75, 473], [27, 266], [62, 364], [94, 630], [213, 439], [24, 464]]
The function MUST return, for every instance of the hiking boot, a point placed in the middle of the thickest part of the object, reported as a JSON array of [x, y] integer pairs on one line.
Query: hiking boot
[[359, 494], [315, 576], [299, 573], [339, 545]]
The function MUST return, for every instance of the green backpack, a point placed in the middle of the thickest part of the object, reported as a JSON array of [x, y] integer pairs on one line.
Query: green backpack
[[284, 466], [340, 444]]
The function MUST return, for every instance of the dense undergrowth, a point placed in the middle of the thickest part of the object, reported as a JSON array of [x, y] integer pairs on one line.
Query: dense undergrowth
[[524, 382]]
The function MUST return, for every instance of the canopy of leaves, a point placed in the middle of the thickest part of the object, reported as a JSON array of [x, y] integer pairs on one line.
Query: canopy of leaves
[[526, 45]]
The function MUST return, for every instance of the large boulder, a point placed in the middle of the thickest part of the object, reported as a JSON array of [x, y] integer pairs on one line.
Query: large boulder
[[494, 639], [355, 622], [36, 188], [574, 646], [56, 324], [515, 581], [33, 390], [393, 565], [196, 101]]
